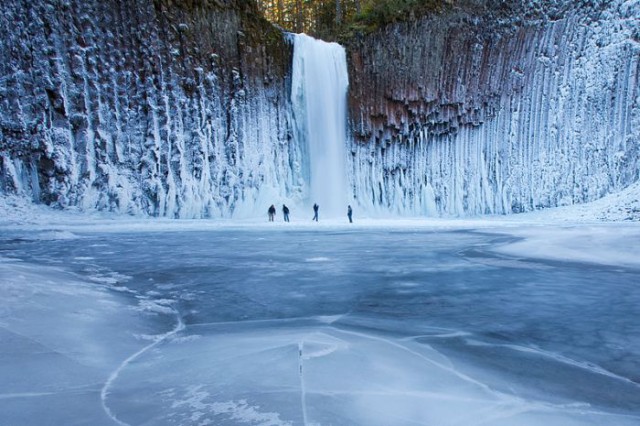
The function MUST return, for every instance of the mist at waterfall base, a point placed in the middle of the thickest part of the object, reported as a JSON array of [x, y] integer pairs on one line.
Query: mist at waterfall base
[[318, 95], [125, 322]]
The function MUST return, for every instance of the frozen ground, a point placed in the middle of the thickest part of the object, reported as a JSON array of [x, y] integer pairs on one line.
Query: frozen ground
[[523, 320]]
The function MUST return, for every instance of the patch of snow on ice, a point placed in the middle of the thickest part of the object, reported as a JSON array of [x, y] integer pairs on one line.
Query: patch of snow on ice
[[318, 259], [54, 235], [614, 245], [239, 411], [160, 306], [184, 339]]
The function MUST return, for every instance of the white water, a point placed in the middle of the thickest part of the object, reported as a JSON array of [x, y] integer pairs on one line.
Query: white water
[[319, 94]]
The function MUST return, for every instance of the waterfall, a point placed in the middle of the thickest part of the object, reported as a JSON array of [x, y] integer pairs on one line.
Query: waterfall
[[319, 94]]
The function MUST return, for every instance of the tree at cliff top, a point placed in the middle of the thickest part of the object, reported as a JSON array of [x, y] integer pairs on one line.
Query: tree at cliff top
[[329, 18], [333, 19], [321, 18]]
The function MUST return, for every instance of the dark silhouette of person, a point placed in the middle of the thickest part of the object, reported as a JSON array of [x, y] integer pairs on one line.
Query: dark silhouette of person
[[272, 212], [315, 211], [285, 212], [350, 214]]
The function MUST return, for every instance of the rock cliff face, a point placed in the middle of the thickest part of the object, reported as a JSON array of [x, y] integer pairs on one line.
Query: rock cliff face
[[470, 114], [181, 108], [164, 107]]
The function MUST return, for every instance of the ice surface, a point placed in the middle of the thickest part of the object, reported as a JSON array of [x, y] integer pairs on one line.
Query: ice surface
[[59, 339], [417, 322]]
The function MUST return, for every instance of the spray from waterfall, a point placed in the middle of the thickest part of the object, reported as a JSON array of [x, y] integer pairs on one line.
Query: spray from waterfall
[[319, 97]]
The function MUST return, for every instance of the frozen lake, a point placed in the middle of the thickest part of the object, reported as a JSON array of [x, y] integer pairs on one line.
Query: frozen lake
[[312, 326]]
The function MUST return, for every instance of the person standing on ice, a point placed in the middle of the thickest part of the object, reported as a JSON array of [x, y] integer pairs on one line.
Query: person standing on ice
[[315, 211], [272, 213], [285, 212], [349, 214]]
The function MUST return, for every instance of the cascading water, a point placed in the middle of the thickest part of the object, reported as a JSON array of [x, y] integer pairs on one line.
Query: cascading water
[[318, 95]]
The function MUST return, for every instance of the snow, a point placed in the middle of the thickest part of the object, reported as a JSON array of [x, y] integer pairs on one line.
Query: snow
[[18, 212], [616, 245]]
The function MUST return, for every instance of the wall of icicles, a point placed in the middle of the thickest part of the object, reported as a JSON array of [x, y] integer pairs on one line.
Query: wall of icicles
[[474, 118]]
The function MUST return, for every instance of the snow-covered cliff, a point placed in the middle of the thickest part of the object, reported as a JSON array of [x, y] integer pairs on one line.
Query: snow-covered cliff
[[474, 114], [183, 108], [170, 108]]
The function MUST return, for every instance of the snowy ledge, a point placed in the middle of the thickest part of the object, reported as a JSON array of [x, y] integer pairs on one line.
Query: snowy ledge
[[605, 232]]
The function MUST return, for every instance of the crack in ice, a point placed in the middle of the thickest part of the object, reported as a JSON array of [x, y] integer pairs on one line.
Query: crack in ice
[[104, 393]]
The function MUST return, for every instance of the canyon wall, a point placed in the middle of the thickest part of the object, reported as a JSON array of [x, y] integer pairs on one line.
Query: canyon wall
[[181, 108], [479, 113], [168, 108]]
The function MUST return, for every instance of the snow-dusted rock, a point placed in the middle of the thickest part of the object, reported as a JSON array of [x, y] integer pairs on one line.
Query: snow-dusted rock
[[473, 114], [183, 109], [163, 108]]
